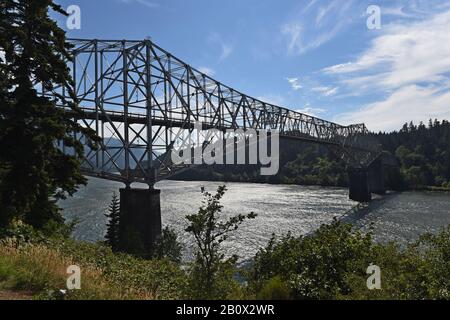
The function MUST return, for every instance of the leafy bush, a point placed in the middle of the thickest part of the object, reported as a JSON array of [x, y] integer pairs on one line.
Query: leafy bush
[[274, 289], [211, 274], [167, 246], [19, 232], [314, 267], [329, 264], [332, 264]]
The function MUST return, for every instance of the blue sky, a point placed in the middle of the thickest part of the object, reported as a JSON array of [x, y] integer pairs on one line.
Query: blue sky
[[316, 56]]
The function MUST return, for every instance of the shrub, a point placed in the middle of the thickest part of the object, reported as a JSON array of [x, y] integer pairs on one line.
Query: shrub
[[19, 232], [314, 267], [167, 246], [211, 274], [332, 264], [274, 289]]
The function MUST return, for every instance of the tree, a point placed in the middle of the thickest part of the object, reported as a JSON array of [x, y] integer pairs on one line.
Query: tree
[[35, 173], [211, 266], [167, 246], [404, 128], [314, 266], [113, 215]]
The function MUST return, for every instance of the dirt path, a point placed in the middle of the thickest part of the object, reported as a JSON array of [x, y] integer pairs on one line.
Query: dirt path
[[13, 295]]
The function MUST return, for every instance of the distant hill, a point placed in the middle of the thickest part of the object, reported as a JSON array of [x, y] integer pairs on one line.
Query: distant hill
[[423, 152]]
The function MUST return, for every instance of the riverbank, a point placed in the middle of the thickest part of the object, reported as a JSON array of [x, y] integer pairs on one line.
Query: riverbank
[[39, 271], [286, 182], [329, 264]]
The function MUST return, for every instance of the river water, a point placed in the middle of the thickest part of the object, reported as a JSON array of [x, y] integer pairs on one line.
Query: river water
[[280, 208]]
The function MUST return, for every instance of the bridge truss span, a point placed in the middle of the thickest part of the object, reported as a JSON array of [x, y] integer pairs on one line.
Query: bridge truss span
[[141, 100]]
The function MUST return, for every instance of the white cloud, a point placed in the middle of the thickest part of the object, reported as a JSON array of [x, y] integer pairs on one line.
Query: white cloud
[[226, 49], [311, 4], [408, 65], [410, 103], [312, 111], [316, 25], [297, 45], [326, 91], [295, 84], [208, 71], [403, 55], [293, 31], [396, 12], [274, 99], [147, 3], [323, 11]]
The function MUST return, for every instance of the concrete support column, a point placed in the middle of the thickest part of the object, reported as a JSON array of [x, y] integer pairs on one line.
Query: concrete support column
[[376, 177], [359, 185], [140, 220]]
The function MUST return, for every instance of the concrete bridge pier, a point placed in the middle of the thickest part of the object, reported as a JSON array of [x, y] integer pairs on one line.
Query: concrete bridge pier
[[140, 220], [376, 177], [359, 185]]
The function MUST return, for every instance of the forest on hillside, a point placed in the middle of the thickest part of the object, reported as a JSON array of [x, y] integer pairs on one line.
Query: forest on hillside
[[422, 152]]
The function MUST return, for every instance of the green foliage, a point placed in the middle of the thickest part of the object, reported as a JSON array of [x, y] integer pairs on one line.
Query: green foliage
[[131, 243], [435, 253], [162, 279], [300, 163], [314, 266], [167, 246], [22, 233], [105, 275], [274, 289], [316, 166], [113, 215], [332, 263], [329, 264], [35, 173], [422, 153], [212, 272], [19, 232]]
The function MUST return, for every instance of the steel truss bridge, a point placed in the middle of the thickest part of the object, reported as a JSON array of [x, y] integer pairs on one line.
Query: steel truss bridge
[[143, 102]]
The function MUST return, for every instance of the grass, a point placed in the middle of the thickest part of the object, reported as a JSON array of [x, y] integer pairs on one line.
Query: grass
[[41, 269], [329, 264], [437, 189]]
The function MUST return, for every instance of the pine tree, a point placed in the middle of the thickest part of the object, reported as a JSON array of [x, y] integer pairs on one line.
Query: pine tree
[[112, 233], [34, 172]]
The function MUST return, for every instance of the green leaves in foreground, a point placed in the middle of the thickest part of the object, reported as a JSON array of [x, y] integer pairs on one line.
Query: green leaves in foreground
[[332, 264], [212, 273]]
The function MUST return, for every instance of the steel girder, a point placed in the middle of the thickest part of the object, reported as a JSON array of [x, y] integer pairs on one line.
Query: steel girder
[[142, 101]]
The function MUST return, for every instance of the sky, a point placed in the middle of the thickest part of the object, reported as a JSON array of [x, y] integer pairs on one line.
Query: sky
[[315, 56]]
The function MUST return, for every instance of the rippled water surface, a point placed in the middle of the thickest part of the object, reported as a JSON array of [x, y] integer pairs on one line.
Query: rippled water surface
[[280, 208]]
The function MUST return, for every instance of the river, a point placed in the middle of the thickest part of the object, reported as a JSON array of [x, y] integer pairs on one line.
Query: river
[[280, 208]]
